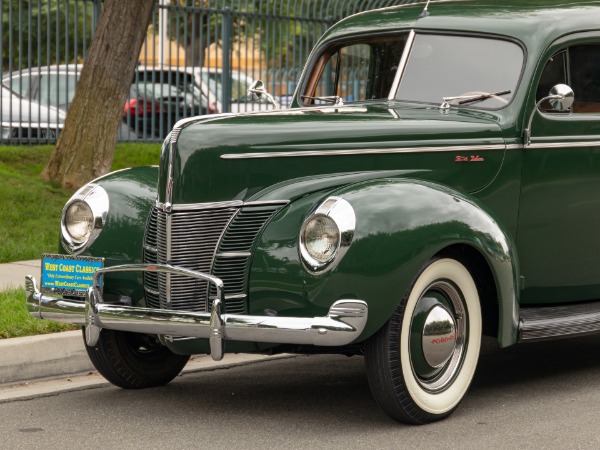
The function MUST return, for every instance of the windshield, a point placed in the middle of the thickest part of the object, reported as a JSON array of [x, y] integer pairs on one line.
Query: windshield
[[360, 70], [468, 71], [469, 68]]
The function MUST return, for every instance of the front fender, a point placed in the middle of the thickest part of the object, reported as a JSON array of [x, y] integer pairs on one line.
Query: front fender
[[400, 225], [131, 194]]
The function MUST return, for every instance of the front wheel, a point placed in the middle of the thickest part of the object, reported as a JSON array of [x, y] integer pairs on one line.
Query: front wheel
[[421, 362], [134, 360]]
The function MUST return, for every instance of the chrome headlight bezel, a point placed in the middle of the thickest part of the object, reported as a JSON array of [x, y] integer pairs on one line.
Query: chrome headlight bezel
[[96, 199], [339, 212]]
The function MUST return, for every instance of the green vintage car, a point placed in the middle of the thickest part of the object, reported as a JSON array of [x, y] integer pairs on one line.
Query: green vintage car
[[436, 179]]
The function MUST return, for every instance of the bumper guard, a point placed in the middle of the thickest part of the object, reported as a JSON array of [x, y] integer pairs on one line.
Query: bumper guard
[[343, 324]]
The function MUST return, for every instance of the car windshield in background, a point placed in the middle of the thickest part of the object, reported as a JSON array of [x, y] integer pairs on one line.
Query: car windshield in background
[[465, 69], [164, 91], [239, 85]]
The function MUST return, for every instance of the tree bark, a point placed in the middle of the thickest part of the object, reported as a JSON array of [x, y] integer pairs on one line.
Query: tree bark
[[86, 146]]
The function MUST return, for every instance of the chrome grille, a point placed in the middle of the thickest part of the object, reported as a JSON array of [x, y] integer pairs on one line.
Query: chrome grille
[[151, 257], [216, 241]]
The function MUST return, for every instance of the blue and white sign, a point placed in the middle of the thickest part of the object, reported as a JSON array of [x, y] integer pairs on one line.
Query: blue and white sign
[[68, 275]]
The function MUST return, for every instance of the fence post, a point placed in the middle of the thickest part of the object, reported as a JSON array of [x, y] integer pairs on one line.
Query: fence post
[[227, 37], [97, 9]]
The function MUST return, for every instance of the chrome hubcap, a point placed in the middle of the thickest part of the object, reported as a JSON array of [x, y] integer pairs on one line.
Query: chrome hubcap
[[438, 336]]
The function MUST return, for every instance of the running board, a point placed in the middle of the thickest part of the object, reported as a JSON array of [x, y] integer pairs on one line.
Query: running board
[[553, 322]]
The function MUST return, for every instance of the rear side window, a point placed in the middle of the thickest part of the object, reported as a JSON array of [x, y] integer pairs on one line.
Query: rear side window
[[57, 90], [579, 67]]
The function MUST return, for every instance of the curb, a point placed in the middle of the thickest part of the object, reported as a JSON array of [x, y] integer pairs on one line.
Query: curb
[[43, 356], [50, 363]]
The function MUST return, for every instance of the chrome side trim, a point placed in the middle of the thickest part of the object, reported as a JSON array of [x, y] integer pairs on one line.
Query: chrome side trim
[[566, 144], [515, 147], [342, 325], [371, 151]]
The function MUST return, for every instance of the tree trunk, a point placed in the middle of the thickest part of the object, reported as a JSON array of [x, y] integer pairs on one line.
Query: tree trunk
[[86, 146]]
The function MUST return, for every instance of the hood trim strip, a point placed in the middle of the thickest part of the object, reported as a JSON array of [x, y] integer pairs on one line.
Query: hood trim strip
[[220, 205], [372, 151]]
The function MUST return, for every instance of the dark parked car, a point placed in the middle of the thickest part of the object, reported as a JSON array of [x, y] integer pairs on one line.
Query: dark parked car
[[435, 180], [158, 97], [28, 120]]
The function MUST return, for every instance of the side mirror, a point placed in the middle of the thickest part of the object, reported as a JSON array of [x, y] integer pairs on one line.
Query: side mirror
[[561, 98], [257, 90]]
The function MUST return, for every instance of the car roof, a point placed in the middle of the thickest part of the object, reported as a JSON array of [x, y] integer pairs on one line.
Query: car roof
[[529, 21]]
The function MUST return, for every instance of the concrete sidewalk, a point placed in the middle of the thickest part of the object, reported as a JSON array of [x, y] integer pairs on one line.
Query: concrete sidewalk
[[12, 275]]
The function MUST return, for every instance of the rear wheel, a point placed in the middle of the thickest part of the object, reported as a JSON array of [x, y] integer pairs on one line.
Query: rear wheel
[[134, 360], [421, 362]]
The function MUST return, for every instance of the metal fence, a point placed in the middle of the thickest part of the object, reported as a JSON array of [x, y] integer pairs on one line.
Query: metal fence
[[199, 57]]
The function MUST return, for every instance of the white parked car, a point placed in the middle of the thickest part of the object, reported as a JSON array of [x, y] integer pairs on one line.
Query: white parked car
[[26, 119], [210, 81], [158, 97]]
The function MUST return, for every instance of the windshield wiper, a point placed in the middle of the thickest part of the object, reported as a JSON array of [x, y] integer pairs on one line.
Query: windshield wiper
[[465, 99], [480, 97], [329, 98]]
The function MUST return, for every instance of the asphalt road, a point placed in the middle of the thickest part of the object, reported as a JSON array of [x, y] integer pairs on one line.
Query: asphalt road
[[534, 396]]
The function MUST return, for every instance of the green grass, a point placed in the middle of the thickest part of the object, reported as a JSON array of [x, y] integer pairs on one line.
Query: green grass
[[30, 212], [15, 321], [30, 208]]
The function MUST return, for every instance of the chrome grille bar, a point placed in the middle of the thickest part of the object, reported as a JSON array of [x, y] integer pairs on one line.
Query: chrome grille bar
[[215, 240]]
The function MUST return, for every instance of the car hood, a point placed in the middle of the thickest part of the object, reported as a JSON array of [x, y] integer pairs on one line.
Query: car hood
[[249, 156]]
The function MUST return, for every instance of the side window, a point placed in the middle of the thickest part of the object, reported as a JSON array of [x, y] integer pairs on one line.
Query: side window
[[579, 67], [57, 90], [346, 74], [20, 84], [358, 71], [584, 64]]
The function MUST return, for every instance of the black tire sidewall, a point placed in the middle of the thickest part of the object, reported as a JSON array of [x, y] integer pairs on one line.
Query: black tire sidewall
[[117, 358]]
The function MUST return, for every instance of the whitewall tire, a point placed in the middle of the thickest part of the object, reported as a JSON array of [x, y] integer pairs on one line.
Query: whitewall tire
[[421, 362]]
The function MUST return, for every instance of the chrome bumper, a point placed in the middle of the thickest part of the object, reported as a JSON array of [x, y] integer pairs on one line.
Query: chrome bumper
[[342, 325]]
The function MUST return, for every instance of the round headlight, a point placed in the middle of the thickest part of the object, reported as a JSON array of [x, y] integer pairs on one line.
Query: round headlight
[[79, 221], [326, 235], [321, 238]]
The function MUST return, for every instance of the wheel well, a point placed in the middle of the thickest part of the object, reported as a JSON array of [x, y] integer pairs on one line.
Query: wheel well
[[479, 268]]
